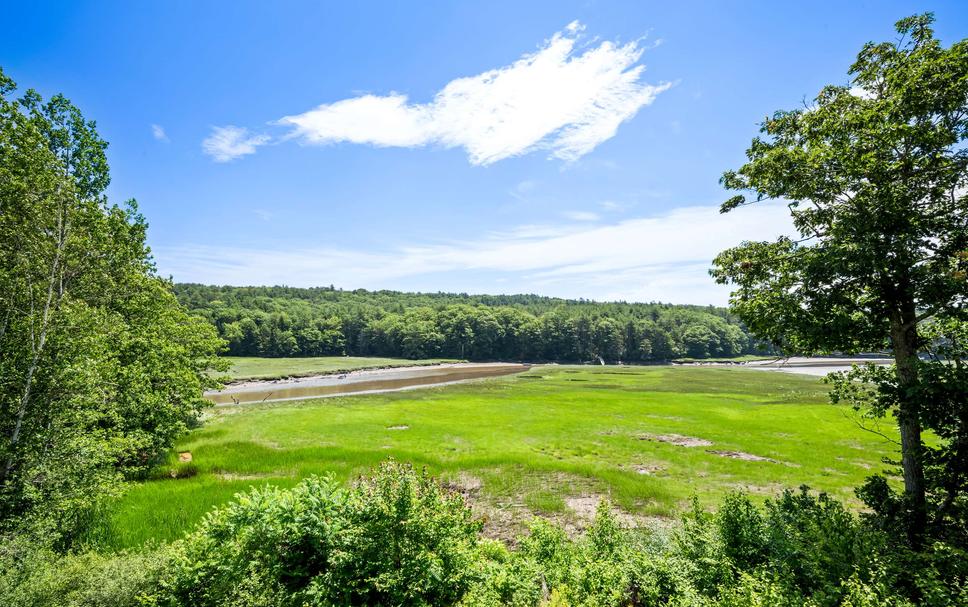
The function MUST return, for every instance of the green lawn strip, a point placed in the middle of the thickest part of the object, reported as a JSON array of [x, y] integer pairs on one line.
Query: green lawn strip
[[532, 442], [728, 359], [253, 367]]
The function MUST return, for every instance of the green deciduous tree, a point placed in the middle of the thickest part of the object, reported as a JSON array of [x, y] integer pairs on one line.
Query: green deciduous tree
[[875, 176], [100, 368], [264, 321]]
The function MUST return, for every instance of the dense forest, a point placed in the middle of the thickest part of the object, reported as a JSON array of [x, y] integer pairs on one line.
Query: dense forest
[[325, 321]]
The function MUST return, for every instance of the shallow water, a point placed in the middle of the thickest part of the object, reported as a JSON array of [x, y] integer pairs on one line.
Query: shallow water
[[814, 366], [382, 380]]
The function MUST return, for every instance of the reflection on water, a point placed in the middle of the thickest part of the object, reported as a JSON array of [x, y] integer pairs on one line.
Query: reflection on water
[[354, 383]]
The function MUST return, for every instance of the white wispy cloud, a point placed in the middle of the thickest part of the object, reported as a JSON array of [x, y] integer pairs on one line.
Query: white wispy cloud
[[660, 258], [581, 215], [230, 142], [158, 132], [523, 189], [614, 206], [561, 98]]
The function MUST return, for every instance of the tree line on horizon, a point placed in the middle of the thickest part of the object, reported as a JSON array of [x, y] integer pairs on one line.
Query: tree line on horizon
[[324, 321]]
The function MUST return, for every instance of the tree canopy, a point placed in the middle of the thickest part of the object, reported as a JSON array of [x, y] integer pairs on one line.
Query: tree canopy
[[100, 368], [285, 321], [875, 176]]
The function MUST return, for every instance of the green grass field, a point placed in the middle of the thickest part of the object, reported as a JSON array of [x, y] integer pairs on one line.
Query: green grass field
[[727, 359], [527, 444], [253, 367]]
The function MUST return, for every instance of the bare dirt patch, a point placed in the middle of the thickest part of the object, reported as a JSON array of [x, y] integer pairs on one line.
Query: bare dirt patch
[[232, 476], [648, 469], [676, 439], [467, 485], [769, 489], [585, 507], [749, 457], [504, 521], [185, 456], [507, 517]]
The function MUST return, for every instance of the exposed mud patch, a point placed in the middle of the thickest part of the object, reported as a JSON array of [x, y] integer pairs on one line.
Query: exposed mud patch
[[506, 522], [467, 485], [585, 507], [649, 470], [770, 489], [676, 439], [749, 457], [232, 476], [358, 382]]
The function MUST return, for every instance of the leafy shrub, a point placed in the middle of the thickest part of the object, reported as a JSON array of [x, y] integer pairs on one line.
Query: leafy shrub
[[802, 545], [397, 538], [816, 544], [607, 566], [742, 532], [36, 577]]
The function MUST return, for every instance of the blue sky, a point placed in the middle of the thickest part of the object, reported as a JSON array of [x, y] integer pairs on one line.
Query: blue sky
[[561, 148]]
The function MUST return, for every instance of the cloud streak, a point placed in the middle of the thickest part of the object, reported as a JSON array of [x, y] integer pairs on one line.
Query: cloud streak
[[564, 98], [661, 258], [581, 215], [158, 132], [226, 143]]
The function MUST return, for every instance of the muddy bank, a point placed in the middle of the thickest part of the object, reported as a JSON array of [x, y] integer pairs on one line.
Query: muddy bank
[[358, 382]]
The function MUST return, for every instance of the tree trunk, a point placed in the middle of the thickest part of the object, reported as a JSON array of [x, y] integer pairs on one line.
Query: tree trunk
[[38, 348], [904, 338]]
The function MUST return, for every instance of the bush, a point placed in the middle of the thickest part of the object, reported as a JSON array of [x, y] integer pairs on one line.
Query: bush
[[35, 577], [399, 538], [396, 538], [800, 544]]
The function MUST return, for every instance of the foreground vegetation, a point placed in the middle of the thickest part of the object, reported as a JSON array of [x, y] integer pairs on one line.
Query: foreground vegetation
[[254, 367], [399, 538], [531, 443], [100, 368], [876, 175]]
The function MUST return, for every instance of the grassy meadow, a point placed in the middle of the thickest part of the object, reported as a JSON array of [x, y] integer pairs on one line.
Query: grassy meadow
[[255, 367], [525, 444]]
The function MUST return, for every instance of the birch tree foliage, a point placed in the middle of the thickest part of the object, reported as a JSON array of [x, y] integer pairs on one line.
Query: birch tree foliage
[[100, 369]]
